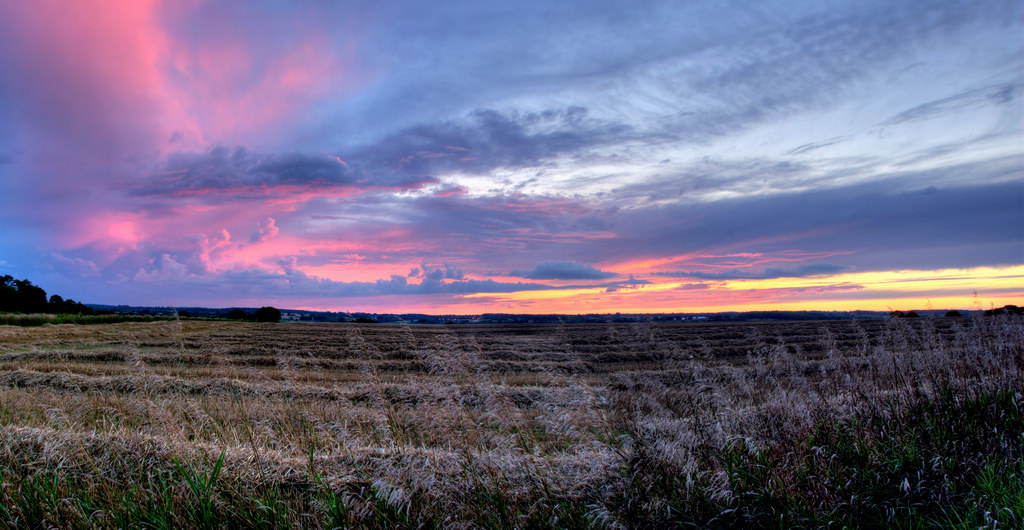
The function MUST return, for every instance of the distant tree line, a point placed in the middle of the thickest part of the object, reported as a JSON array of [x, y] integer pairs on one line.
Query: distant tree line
[[263, 314], [21, 296]]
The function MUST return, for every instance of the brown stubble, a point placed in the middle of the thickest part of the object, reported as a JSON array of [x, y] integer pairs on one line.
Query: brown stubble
[[427, 417]]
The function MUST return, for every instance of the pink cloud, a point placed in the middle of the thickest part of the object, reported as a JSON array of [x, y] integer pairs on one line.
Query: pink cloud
[[88, 74], [265, 230], [165, 269], [114, 233], [129, 77], [743, 260], [73, 266], [211, 247], [238, 90], [451, 190]]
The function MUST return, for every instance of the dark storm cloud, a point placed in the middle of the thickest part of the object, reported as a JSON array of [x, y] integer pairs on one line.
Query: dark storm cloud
[[563, 270]]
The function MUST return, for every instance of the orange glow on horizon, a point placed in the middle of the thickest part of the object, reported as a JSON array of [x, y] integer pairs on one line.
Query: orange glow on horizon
[[870, 291], [972, 289]]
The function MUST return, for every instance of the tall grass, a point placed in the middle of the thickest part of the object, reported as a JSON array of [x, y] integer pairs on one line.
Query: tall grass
[[28, 320], [894, 423]]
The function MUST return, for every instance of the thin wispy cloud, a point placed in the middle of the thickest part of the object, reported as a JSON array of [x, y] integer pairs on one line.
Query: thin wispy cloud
[[819, 269]]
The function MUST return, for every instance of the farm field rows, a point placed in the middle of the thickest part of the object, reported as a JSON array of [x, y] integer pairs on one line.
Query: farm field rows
[[228, 424]]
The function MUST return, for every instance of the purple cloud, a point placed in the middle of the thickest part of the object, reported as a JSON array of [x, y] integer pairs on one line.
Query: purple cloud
[[563, 270]]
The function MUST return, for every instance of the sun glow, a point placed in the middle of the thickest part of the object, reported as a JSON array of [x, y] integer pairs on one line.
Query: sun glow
[[978, 288]]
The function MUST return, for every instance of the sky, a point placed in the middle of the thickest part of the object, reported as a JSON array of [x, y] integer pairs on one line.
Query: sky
[[578, 156]]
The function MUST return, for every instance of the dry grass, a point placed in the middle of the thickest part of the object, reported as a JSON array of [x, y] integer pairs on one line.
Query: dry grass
[[213, 424]]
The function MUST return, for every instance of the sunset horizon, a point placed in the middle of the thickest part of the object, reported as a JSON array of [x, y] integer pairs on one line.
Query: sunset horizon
[[469, 158]]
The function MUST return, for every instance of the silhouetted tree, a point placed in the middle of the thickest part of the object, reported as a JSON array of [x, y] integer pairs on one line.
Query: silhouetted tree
[[238, 314], [954, 313], [268, 314], [31, 298], [73, 307], [1011, 309], [21, 296], [8, 293]]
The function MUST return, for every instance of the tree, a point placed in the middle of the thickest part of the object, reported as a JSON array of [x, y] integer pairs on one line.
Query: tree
[[72, 307], [237, 314], [21, 296], [954, 313], [268, 314], [8, 293], [1011, 309], [31, 299]]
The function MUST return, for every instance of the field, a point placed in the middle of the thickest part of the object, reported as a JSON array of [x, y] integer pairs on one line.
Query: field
[[898, 422]]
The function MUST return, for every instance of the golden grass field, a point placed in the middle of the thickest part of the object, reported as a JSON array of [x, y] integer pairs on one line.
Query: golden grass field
[[231, 424]]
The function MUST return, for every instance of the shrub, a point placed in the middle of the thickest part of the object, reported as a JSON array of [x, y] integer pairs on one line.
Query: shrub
[[268, 314]]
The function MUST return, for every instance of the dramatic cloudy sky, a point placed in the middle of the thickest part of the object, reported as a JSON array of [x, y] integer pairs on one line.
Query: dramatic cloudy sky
[[571, 156]]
